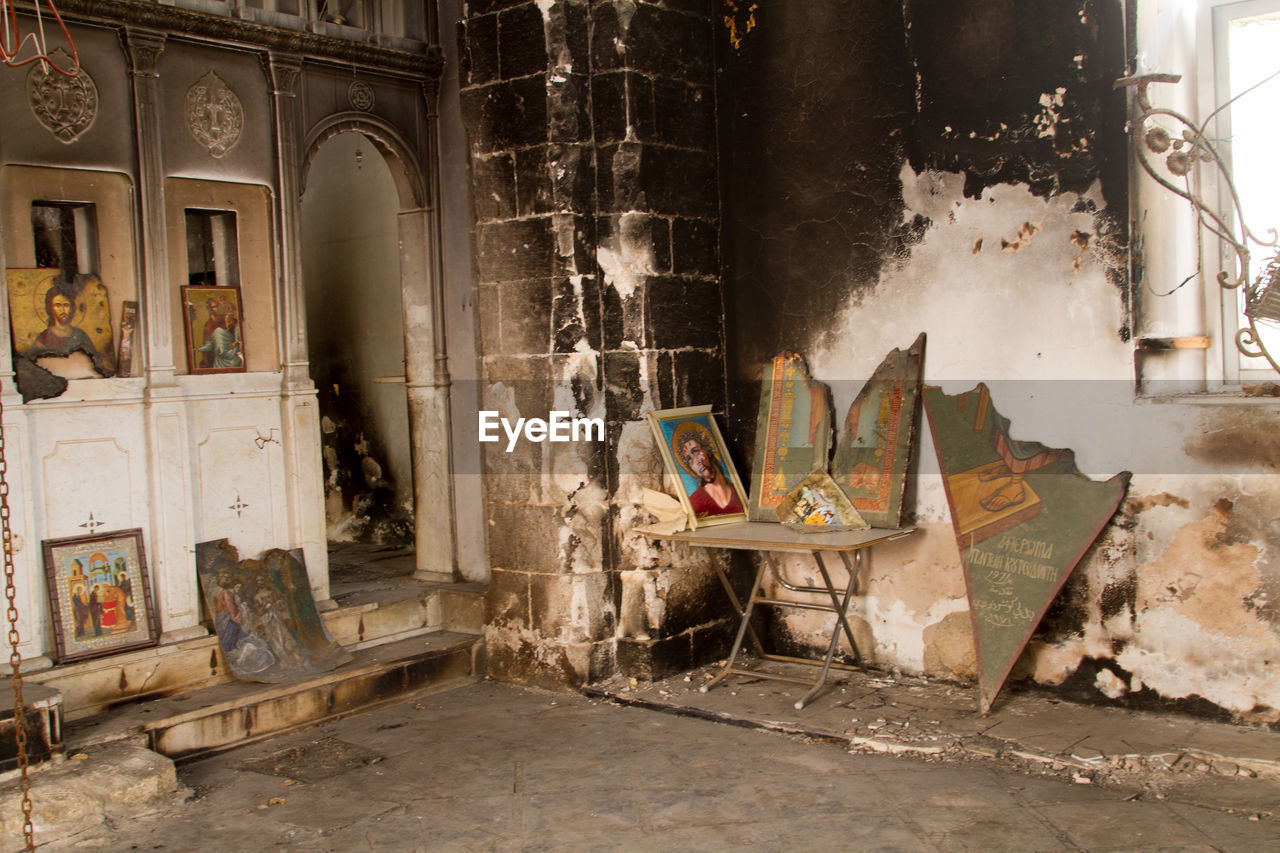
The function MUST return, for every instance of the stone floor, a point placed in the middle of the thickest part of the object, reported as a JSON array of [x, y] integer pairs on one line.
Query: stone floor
[[1168, 755], [494, 767]]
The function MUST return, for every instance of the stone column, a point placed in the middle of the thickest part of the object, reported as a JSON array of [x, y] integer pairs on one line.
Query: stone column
[[173, 571], [658, 250], [299, 411], [27, 560], [427, 381], [525, 85], [594, 182]]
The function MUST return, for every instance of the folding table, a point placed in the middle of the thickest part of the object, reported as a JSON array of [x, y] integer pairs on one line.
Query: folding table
[[765, 538]]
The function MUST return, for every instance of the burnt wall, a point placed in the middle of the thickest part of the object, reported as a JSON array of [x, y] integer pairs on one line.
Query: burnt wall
[[593, 169], [962, 170], [980, 66], [816, 107], [822, 104]]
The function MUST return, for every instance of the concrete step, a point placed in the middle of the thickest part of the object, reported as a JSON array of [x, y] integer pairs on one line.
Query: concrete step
[[366, 615], [224, 715], [373, 613], [120, 764]]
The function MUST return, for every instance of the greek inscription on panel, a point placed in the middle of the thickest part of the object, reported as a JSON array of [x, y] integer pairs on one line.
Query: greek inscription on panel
[[214, 114], [66, 106]]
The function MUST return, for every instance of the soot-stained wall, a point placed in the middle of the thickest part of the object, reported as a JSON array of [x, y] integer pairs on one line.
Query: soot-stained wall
[[822, 106], [816, 112], [591, 130], [962, 170], [877, 170]]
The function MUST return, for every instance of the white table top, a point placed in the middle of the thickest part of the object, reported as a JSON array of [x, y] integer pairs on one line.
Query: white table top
[[770, 536]]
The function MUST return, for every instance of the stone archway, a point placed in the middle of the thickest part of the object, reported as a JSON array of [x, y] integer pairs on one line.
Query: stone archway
[[424, 377]]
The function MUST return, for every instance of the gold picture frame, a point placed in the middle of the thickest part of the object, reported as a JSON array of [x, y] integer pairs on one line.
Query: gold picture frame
[[100, 594], [698, 464], [213, 322]]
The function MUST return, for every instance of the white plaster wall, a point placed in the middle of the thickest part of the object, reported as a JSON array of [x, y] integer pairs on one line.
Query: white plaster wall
[[239, 470], [1025, 310], [83, 463]]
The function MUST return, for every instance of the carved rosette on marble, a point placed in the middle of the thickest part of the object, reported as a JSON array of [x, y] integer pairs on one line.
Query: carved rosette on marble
[[214, 114], [66, 106], [360, 95]]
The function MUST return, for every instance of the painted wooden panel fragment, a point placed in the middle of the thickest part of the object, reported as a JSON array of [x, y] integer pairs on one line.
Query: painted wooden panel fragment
[[52, 317], [266, 620], [818, 505], [1023, 515], [876, 442], [793, 434]]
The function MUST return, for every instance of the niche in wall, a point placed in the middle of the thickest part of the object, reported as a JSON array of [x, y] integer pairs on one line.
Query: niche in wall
[[66, 236], [69, 249], [219, 235], [213, 253]]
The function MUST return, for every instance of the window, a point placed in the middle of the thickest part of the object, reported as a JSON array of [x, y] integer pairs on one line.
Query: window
[[212, 253], [349, 12], [66, 237], [402, 18], [287, 7], [1246, 61], [1206, 82]]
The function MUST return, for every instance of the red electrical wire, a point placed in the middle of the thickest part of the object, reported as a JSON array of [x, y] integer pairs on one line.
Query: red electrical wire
[[12, 41]]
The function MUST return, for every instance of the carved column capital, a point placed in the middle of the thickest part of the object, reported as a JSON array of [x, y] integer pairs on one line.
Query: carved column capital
[[283, 71], [430, 88], [143, 48]]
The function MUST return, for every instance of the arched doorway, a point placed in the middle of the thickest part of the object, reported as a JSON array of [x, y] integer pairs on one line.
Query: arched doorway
[[421, 377], [355, 339]]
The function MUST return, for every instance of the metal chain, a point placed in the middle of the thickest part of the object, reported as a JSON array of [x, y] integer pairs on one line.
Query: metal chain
[[15, 658]]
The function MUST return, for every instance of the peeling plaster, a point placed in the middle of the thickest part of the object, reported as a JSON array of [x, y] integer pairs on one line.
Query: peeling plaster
[[1194, 630], [631, 613], [928, 290], [1047, 120], [656, 587], [563, 226], [640, 467], [1025, 232], [579, 627], [628, 262], [567, 463], [1136, 505], [948, 647], [578, 319], [1177, 576], [581, 545]]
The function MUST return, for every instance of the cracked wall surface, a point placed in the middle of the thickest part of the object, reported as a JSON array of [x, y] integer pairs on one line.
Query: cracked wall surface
[[651, 230], [593, 165], [961, 171]]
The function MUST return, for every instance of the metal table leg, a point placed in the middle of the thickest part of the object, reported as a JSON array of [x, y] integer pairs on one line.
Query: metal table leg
[[737, 606], [841, 623], [743, 627]]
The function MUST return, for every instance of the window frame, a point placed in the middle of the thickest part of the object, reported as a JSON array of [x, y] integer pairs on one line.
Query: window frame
[[1229, 367]]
